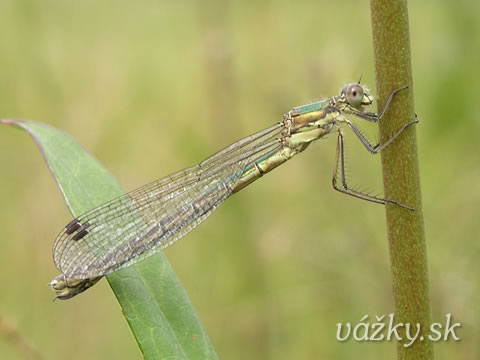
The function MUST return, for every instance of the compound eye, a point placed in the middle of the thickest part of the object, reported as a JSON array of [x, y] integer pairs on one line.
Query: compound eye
[[354, 94]]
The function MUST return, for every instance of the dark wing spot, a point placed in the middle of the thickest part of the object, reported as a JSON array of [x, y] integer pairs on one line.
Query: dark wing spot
[[72, 226], [81, 231], [79, 235]]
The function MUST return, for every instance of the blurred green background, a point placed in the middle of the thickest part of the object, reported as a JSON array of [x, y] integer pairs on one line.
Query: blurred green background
[[154, 86]]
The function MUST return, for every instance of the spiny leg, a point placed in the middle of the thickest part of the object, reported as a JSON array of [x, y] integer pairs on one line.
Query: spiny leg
[[389, 100], [373, 149], [340, 159], [371, 116]]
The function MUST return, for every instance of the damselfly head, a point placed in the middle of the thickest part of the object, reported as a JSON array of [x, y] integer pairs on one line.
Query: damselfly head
[[356, 95]]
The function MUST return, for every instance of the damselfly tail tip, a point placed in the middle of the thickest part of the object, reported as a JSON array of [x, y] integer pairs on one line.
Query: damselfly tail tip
[[66, 288]]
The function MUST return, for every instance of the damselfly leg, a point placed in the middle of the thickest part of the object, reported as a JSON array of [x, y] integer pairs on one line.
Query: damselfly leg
[[373, 149]]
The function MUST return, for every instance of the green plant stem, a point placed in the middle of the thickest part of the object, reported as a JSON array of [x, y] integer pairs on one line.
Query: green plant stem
[[401, 176]]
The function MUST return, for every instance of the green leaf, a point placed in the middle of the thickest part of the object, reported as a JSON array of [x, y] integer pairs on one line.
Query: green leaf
[[153, 301]]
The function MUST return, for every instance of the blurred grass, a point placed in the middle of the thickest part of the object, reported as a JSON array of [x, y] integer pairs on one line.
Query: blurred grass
[[156, 86]]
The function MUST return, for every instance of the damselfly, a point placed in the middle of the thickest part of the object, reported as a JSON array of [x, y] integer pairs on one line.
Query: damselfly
[[140, 223]]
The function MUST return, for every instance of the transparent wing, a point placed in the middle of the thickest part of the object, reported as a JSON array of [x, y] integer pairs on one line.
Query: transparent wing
[[138, 224]]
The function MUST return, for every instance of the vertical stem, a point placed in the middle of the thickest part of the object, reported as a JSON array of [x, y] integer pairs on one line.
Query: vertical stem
[[401, 176]]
